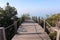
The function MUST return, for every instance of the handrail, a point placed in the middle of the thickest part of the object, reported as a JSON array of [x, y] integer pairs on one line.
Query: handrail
[[11, 30], [46, 22], [57, 36], [49, 26], [11, 24]]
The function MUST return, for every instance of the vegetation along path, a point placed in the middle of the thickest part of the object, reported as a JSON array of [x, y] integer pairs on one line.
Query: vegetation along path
[[29, 30]]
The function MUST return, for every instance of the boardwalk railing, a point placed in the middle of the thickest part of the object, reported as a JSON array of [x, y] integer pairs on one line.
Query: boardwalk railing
[[8, 32], [49, 28]]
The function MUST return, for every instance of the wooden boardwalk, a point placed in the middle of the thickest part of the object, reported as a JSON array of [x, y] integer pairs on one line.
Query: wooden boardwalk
[[30, 31]]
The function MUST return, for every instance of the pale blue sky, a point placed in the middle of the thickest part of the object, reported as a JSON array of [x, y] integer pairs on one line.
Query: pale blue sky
[[34, 7]]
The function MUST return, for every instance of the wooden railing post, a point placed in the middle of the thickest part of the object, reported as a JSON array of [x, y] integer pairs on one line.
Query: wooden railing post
[[15, 26], [44, 25], [2, 33], [58, 35], [58, 32]]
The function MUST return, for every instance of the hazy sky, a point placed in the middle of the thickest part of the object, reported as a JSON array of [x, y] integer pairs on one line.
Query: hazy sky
[[34, 7]]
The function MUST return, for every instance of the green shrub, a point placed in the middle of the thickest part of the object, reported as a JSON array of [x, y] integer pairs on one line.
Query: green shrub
[[53, 35]]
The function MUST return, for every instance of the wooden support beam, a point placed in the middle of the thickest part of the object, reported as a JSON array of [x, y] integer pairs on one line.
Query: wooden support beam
[[15, 26], [2, 33], [44, 25]]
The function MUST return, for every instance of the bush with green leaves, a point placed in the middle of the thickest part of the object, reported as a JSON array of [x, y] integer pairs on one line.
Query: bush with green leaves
[[53, 35], [52, 20], [6, 14]]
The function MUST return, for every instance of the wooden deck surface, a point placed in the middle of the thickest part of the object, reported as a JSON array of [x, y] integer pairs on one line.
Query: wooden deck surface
[[30, 31]]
